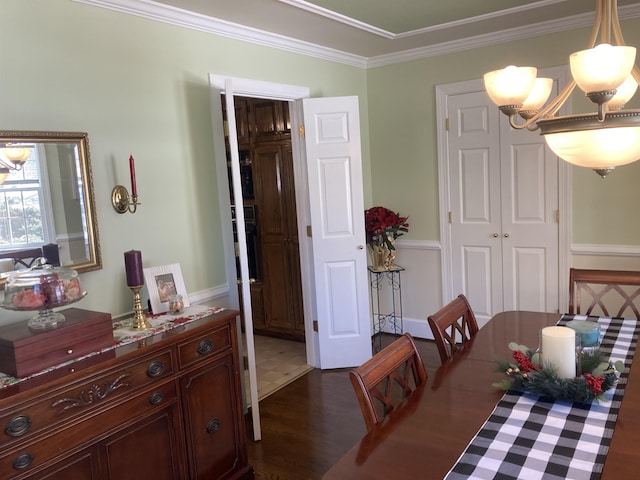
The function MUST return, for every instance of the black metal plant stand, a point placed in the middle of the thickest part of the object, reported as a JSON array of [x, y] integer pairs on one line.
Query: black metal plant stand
[[388, 320]]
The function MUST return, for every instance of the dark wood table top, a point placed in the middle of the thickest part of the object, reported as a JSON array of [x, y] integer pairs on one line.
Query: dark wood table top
[[426, 437]]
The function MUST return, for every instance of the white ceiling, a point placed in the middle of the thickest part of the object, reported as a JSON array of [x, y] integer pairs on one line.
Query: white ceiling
[[371, 32]]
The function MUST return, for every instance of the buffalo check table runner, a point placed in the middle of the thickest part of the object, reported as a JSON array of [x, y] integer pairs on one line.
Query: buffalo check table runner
[[529, 438]]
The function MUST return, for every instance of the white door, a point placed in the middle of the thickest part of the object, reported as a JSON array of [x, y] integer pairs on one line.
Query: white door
[[504, 209], [334, 170], [475, 213]]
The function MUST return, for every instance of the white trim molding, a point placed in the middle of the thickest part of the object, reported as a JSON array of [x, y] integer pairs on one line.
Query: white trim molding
[[603, 250], [184, 18], [417, 245]]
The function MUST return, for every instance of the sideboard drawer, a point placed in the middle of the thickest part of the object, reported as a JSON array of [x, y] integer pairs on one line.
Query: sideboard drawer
[[52, 408], [23, 459], [204, 346]]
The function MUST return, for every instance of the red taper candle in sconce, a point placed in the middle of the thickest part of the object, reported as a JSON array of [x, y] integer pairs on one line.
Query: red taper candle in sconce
[[132, 168], [133, 266]]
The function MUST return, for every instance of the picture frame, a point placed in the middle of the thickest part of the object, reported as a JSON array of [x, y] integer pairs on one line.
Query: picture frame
[[162, 282]]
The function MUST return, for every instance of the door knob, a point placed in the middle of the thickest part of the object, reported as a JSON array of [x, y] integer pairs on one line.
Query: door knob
[[360, 247], [496, 235], [506, 235]]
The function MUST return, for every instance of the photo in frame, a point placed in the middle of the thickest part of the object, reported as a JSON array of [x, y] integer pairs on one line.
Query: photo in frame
[[162, 282]]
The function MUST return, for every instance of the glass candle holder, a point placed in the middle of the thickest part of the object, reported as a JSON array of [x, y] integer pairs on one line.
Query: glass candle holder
[[176, 304], [588, 332]]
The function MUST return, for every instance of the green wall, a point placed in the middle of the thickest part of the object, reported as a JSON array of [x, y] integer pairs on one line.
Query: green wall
[[140, 87], [403, 142]]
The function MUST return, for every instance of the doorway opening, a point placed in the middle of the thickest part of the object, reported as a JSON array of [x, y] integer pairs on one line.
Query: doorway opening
[[263, 129]]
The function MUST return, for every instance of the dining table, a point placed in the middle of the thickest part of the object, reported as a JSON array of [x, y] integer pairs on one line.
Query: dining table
[[427, 435]]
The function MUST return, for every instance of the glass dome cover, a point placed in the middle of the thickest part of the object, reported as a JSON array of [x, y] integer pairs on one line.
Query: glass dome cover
[[42, 288]]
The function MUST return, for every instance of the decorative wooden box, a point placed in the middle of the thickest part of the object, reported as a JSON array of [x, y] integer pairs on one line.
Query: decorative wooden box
[[24, 351]]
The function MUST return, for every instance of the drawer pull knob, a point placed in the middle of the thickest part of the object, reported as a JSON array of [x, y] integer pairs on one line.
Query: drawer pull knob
[[18, 425], [214, 425], [155, 369], [205, 347], [22, 461], [156, 398]]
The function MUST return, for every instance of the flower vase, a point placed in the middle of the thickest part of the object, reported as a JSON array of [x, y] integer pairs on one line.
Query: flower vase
[[381, 257]]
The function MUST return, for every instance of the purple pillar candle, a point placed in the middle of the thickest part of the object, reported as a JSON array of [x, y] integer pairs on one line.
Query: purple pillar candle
[[133, 265]]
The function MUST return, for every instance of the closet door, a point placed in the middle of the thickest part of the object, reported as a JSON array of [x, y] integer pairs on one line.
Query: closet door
[[503, 203], [475, 203]]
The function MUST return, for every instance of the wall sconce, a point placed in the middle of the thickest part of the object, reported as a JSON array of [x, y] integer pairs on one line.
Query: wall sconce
[[120, 198]]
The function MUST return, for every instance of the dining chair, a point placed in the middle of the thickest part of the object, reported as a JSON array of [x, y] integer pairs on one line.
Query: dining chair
[[23, 258], [453, 326], [384, 381], [604, 292]]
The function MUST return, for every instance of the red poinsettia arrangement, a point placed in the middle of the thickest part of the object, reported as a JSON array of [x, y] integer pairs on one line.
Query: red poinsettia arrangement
[[383, 226]]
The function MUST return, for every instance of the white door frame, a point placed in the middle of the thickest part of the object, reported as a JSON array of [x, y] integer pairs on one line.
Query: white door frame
[[279, 91], [561, 74]]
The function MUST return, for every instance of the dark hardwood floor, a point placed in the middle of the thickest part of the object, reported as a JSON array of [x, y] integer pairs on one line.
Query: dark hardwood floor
[[311, 423]]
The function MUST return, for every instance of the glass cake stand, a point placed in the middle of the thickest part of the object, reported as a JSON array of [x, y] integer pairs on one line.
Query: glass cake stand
[[41, 289]]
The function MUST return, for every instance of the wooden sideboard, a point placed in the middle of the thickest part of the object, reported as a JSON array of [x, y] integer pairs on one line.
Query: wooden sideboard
[[165, 407]]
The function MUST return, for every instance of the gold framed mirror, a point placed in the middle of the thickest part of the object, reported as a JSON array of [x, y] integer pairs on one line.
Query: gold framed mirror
[[47, 198]]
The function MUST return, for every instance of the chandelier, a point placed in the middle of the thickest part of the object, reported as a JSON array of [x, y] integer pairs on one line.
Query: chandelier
[[606, 73], [12, 157]]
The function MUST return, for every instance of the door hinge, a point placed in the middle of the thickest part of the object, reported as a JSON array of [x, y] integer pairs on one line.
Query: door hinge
[[446, 124], [301, 131], [309, 233], [450, 217], [557, 216], [315, 325], [245, 362]]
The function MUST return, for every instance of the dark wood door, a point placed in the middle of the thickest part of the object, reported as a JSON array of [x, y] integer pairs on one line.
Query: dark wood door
[[275, 197], [150, 448], [214, 438], [82, 466]]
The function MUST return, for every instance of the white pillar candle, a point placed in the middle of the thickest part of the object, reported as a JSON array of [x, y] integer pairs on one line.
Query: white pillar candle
[[559, 349]]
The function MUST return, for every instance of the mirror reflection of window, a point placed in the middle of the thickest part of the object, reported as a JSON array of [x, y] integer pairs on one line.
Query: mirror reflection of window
[[51, 201], [26, 219]]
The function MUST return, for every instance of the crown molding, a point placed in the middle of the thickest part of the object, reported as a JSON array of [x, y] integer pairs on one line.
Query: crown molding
[[503, 36], [167, 14], [317, 10], [182, 18]]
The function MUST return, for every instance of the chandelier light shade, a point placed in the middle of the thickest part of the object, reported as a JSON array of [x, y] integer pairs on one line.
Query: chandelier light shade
[[607, 75], [623, 93], [12, 157], [537, 97], [602, 68], [510, 86]]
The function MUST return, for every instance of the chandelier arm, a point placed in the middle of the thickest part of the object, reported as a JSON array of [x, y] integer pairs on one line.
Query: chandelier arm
[[556, 104], [635, 73], [605, 36], [597, 22], [527, 124], [615, 25], [4, 164], [548, 111]]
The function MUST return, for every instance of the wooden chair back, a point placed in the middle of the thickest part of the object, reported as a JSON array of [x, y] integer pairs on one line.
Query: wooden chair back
[[608, 293], [23, 258], [26, 258], [453, 326], [385, 380]]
